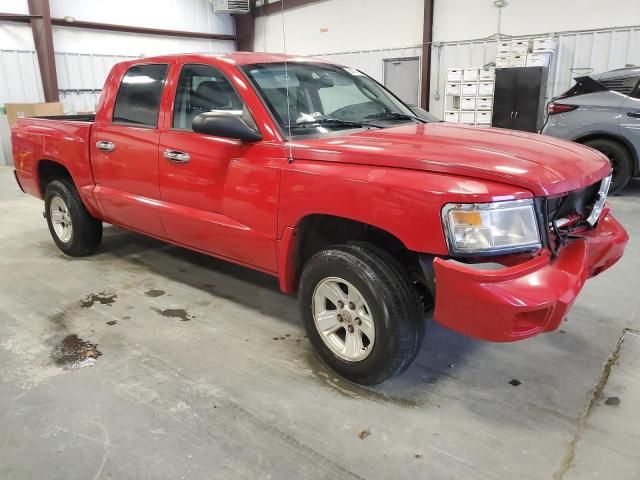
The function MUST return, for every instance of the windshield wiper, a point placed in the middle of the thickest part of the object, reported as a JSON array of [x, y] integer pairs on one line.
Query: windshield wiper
[[322, 122], [393, 116]]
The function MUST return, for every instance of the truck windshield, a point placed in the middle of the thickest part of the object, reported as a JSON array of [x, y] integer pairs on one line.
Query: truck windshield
[[323, 98]]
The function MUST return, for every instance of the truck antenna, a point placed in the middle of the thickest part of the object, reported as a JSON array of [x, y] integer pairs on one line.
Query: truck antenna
[[286, 79]]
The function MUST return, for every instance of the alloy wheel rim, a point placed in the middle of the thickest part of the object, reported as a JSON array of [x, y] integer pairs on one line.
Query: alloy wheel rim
[[61, 219], [343, 319]]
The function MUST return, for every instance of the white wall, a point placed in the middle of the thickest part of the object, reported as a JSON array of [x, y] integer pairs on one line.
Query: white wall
[[350, 25], [456, 20]]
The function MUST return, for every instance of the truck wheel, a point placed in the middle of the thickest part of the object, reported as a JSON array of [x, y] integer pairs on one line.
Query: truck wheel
[[72, 227], [361, 312], [619, 158]]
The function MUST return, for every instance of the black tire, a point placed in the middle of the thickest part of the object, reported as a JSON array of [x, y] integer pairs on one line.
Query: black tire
[[396, 310], [620, 161], [86, 231]]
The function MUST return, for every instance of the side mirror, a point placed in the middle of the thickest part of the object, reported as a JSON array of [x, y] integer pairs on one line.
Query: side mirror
[[224, 124]]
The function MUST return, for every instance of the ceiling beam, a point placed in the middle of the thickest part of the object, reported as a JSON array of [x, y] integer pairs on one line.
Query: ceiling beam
[[277, 6], [111, 27], [40, 18], [427, 38]]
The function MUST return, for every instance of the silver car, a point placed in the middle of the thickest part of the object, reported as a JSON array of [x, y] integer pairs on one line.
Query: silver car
[[603, 112]]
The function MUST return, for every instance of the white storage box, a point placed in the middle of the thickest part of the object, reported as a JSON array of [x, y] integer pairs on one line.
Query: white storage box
[[453, 89], [468, 117], [454, 75], [503, 61], [470, 89], [520, 46], [504, 47], [538, 59], [484, 103], [470, 75], [451, 116], [547, 44], [485, 89], [488, 74], [483, 118], [468, 103], [518, 60]]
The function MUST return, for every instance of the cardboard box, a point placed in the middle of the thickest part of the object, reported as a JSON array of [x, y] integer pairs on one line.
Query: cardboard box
[[518, 60], [470, 89], [468, 117], [451, 116], [547, 44], [17, 110], [485, 89], [538, 59], [504, 48], [453, 89], [484, 103], [488, 74], [483, 118], [520, 47], [454, 75], [503, 61], [468, 103], [470, 75]]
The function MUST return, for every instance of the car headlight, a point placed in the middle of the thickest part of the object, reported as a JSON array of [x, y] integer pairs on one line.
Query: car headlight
[[491, 228]]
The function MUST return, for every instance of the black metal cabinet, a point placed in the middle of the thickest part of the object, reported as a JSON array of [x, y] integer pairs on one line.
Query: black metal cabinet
[[519, 98]]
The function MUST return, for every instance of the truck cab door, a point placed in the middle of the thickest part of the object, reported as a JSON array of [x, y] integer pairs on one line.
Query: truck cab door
[[124, 150], [220, 195]]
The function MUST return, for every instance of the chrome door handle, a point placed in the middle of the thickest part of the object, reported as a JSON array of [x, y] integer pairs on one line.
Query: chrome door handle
[[516, 115], [633, 114], [106, 146], [511, 115], [176, 156]]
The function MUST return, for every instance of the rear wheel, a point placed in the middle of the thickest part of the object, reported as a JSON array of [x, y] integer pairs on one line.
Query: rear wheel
[[72, 227], [361, 312], [619, 158]]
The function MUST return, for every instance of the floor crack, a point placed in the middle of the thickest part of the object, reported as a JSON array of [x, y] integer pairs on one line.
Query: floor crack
[[570, 451]]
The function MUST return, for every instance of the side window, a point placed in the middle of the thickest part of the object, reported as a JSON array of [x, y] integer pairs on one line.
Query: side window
[[138, 99], [203, 88]]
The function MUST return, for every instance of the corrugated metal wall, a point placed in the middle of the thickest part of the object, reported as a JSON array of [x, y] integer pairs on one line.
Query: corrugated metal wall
[[577, 53]]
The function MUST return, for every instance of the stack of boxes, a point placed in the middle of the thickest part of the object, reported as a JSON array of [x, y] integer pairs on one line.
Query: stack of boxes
[[469, 96], [525, 53]]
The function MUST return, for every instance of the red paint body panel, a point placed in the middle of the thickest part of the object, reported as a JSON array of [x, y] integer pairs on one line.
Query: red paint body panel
[[523, 300], [243, 202]]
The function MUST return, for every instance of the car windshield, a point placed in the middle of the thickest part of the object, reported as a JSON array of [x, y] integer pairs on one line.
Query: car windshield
[[324, 98]]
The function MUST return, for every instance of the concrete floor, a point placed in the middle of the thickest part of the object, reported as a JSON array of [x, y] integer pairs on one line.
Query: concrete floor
[[235, 392]]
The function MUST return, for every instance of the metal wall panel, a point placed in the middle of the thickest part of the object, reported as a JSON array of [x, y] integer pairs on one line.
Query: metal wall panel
[[577, 53]]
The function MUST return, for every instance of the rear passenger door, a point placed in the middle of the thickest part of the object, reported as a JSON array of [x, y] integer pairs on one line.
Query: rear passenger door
[[220, 194], [124, 151], [630, 118]]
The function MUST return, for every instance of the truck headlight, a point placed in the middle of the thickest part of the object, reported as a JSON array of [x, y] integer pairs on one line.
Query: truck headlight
[[491, 228]]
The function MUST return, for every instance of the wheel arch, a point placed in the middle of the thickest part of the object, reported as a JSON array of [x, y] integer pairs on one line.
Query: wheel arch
[[635, 156], [316, 231]]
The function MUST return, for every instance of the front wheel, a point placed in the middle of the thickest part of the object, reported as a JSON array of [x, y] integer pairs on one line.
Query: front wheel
[[361, 312]]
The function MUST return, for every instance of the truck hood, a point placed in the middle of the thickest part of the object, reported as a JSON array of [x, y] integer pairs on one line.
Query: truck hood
[[543, 165]]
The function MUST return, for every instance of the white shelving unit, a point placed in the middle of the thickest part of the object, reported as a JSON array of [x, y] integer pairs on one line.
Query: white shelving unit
[[469, 96]]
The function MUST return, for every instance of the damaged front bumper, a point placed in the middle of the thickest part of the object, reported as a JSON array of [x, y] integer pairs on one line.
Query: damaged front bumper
[[507, 303]]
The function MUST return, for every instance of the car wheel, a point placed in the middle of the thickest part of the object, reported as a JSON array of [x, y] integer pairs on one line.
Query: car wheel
[[619, 158], [72, 227], [361, 312]]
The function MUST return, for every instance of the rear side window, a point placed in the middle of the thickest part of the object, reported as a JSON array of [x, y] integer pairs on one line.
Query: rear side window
[[621, 85], [138, 100], [583, 86]]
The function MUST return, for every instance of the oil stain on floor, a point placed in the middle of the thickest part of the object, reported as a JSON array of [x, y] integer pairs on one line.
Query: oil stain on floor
[[180, 313], [154, 293], [102, 298], [73, 352]]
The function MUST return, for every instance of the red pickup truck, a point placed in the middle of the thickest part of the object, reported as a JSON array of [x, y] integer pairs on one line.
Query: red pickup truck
[[316, 174]]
